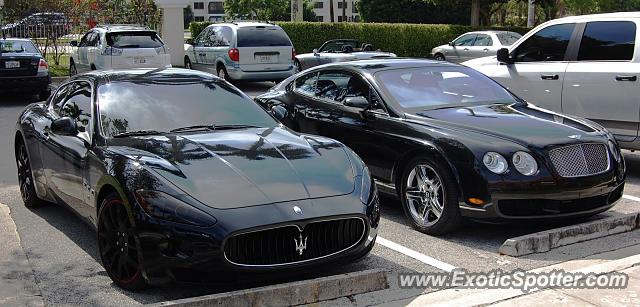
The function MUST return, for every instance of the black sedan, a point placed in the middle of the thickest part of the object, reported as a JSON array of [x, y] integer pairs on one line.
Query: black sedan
[[22, 68], [179, 171], [452, 143]]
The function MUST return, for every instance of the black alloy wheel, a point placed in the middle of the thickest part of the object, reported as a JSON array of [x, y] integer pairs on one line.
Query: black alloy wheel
[[25, 177], [118, 245]]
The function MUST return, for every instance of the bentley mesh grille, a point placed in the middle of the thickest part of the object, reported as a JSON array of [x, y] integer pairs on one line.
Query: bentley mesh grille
[[580, 160]]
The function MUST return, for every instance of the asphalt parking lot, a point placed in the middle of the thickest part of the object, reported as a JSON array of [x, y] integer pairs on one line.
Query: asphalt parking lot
[[63, 252]]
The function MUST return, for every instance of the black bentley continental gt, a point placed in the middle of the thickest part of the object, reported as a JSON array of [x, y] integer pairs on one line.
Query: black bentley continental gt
[[452, 143], [179, 171]]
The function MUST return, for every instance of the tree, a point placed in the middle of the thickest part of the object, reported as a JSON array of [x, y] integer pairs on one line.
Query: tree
[[414, 11], [601, 6], [187, 14]]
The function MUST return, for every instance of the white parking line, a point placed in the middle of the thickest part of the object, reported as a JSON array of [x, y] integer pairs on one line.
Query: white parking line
[[415, 255], [629, 197]]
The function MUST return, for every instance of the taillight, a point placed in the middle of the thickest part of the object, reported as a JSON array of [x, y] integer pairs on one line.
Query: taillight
[[293, 54], [43, 66], [234, 54]]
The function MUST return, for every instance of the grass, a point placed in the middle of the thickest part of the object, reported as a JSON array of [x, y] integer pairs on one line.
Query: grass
[[60, 70]]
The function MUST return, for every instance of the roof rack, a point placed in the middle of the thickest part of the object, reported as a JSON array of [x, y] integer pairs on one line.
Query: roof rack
[[109, 26]]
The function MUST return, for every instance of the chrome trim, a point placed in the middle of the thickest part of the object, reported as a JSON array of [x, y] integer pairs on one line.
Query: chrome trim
[[366, 231], [606, 148]]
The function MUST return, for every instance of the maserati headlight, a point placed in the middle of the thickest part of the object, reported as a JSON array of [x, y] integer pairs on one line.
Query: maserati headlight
[[366, 187], [615, 151], [495, 162], [167, 207], [524, 163]]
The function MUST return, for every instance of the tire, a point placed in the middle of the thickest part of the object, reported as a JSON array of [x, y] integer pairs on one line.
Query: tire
[[25, 177], [439, 57], [441, 213], [222, 73], [187, 63], [118, 245], [72, 68]]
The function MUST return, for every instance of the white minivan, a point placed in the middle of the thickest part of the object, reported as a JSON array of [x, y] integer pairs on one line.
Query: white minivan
[[583, 65]]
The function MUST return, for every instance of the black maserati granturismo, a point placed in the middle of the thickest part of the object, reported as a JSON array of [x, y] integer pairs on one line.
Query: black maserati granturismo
[[179, 171], [452, 143]]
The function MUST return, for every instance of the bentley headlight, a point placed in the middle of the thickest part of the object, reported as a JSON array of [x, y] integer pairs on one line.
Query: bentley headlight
[[615, 151], [366, 187], [167, 207], [525, 163], [495, 162]]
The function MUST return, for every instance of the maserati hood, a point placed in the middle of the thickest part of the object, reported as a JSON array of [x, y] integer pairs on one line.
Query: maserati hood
[[246, 167], [521, 123]]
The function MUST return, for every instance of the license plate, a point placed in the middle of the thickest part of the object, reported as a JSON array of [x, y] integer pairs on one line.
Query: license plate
[[139, 60], [266, 59], [12, 64]]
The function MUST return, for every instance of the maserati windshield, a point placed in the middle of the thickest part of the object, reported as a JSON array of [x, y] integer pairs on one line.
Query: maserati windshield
[[429, 87]]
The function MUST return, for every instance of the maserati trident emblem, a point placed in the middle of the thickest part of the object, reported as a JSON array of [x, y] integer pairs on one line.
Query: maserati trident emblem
[[575, 136], [297, 210], [301, 245]]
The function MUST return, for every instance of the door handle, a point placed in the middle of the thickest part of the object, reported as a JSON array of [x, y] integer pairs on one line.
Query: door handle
[[550, 77], [485, 49], [466, 49], [627, 78]]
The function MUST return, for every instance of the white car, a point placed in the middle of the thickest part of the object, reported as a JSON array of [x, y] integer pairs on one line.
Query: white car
[[118, 46], [472, 45], [583, 65]]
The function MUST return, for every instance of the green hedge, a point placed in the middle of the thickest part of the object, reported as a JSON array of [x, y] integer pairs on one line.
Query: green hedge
[[409, 40]]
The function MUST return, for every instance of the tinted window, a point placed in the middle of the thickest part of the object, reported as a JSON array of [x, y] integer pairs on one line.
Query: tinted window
[[508, 38], [332, 85], [431, 87], [163, 107], [608, 40], [85, 39], [134, 40], [483, 40], [262, 36], [465, 40], [13, 46], [307, 84], [78, 106], [548, 44], [58, 97]]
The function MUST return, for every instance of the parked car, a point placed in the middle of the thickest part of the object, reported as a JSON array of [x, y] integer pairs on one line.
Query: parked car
[[339, 50], [473, 45], [22, 68], [242, 51], [192, 177], [38, 25], [118, 46], [582, 65], [452, 143]]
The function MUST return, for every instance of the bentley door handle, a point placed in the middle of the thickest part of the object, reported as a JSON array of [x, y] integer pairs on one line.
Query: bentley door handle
[[485, 49], [627, 78], [466, 49], [550, 77]]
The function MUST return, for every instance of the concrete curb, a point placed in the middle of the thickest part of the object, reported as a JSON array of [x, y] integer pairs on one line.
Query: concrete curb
[[293, 293], [544, 241]]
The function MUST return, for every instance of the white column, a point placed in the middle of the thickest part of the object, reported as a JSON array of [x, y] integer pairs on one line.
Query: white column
[[173, 28]]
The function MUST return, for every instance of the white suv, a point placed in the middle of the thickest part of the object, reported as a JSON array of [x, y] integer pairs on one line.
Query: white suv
[[118, 46], [584, 65]]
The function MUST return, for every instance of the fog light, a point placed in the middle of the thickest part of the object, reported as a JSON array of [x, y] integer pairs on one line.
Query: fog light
[[476, 201]]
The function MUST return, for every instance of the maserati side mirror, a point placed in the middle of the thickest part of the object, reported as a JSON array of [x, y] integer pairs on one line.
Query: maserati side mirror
[[64, 126], [503, 56], [73, 43], [279, 112], [315, 52], [359, 102]]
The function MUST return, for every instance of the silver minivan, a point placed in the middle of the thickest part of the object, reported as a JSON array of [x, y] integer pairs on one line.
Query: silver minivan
[[586, 66], [242, 51]]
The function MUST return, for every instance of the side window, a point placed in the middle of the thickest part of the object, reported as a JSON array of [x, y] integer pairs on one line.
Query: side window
[[78, 106], [307, 84], [96, 39], [608, 41], [85, 39], [59, 96], [202, 37], [548, 44], [224, 36], [212, 37], [465, 40], [333, 86], [483, 40]]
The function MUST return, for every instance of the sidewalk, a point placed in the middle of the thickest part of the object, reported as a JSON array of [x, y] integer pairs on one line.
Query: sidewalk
[[17, 282], [626, 260]]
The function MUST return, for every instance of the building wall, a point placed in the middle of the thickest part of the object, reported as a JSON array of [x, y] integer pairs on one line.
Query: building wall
[[207, 10], [322, 7]]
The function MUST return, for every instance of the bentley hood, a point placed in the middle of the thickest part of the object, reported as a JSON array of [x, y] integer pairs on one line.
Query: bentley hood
[[521, 123], [246, 167]]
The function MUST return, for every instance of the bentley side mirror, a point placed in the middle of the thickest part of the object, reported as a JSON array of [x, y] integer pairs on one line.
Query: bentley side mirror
[[189, 41], [315, 52], [73, 43], [503, 56], [64, 126], [357, 102], [279, 112]]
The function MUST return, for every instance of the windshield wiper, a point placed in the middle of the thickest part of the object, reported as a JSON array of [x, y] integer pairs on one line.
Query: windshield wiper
[[194, 128], [231, 126], [137, 133]]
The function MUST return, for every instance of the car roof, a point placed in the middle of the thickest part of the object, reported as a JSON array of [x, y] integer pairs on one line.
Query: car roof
[[375, 65], [594, 16], [138, 75], [243, 24]]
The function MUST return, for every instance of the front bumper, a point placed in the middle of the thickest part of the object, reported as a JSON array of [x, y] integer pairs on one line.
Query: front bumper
[[173, 251], [25, 84]]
